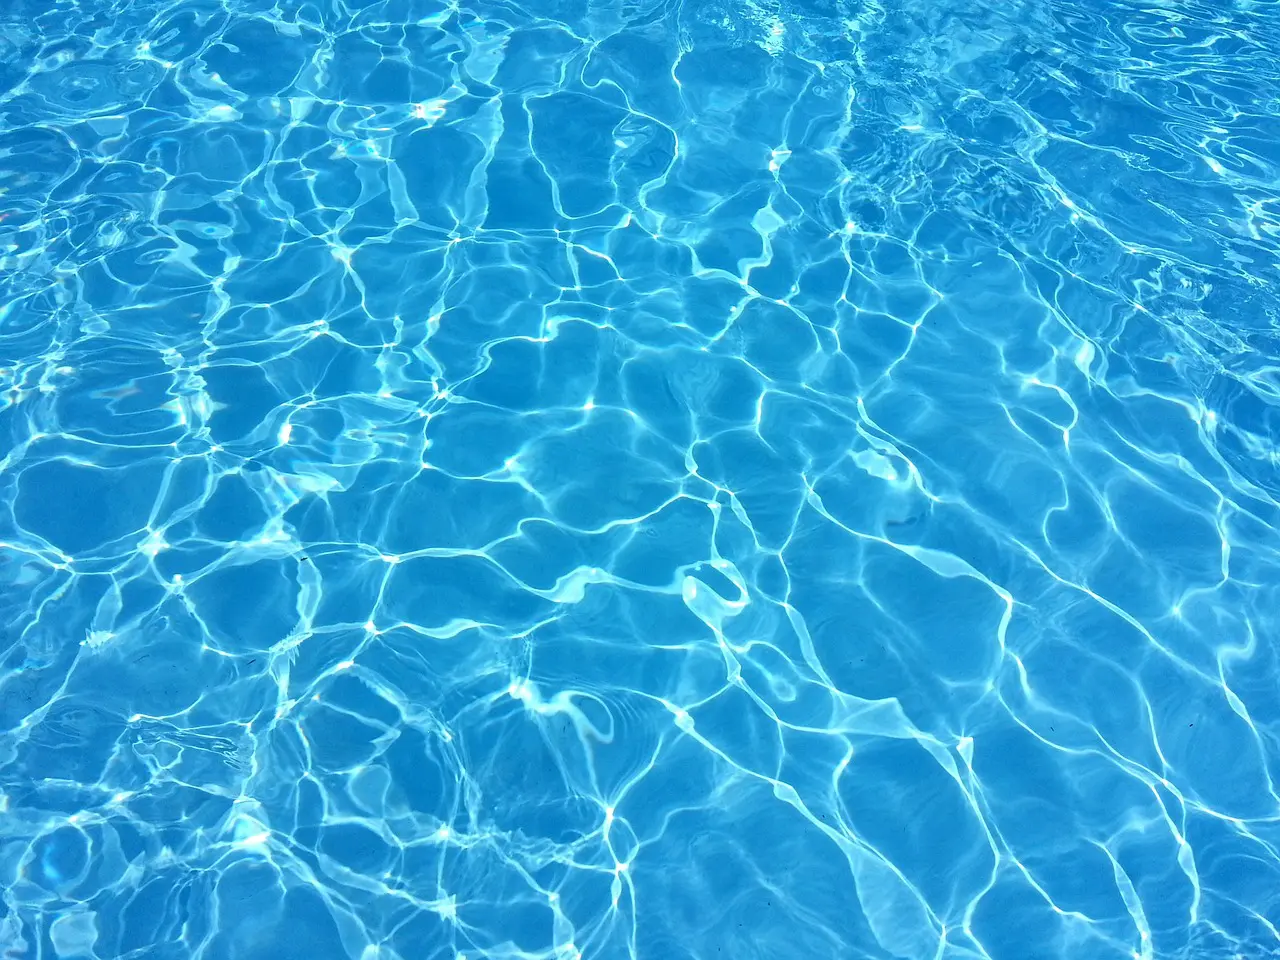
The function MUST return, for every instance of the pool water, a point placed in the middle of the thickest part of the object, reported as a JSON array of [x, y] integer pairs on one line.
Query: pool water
[[639, 479]]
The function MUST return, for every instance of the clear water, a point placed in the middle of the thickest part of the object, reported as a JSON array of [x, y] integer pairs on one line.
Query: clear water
[[662, 480]]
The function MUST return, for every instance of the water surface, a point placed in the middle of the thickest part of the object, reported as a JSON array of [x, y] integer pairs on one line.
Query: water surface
[[666, 480]]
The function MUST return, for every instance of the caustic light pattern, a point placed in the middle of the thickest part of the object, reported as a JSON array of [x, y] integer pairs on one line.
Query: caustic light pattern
[[639, 480]]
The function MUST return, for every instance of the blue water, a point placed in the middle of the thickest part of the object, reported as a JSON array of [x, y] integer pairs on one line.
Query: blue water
[[601, 479]]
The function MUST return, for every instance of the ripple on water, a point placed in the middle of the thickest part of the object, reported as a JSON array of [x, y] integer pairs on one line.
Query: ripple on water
[[88, 88]]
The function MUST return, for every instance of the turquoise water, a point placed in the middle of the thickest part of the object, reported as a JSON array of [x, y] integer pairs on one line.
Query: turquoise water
[[667, 480]]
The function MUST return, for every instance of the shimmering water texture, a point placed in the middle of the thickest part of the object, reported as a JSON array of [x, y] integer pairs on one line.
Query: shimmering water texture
[[639, 480]]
